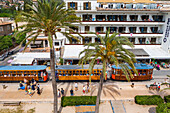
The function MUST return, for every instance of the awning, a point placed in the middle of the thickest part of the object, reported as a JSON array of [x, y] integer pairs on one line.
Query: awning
[[139, 52], [36, 42], [27, 61]]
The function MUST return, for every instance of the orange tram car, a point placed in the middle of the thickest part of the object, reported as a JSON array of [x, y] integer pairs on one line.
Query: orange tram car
[[144, 72], [77, 73], [19, 73]]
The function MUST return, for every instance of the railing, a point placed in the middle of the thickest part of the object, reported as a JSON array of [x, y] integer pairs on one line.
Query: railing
[[114, 20]]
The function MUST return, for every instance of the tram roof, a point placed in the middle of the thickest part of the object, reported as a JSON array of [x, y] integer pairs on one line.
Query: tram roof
[[138, 66], [78, 67], [23, 67]]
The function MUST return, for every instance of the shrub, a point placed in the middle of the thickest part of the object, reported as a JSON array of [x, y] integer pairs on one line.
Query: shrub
[[78, 100], [167, 98], [148, 100], [163, 108]]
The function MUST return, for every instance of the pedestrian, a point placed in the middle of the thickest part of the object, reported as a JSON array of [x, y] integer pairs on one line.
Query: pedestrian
[[84, 89], [62, 91], [59, 94], [76, 86], [159, 87], [21, 86], [30, 92], [26, 89], [71, 92], [32, 86], [38, 89]]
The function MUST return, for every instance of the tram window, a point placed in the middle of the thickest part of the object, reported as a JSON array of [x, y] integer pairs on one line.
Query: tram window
[[25, 72], [140, 71], [11, 72], [0, 72], [34, 71], [144, 70], [7, 72], [94, 71], [31, 71], [4, 72], [97, 71], [17, 71]]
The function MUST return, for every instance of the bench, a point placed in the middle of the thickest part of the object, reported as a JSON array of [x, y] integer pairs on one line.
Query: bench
[[12, 103]]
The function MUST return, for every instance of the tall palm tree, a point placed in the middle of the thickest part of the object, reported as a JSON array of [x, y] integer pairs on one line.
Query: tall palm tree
[[48, 17], [110, 50]]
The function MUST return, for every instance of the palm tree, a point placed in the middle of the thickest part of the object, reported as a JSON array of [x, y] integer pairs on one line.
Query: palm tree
[[48, 18], [110, 50]]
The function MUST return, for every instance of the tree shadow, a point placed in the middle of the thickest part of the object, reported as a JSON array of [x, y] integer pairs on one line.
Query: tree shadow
[[155, 92], [65, 92], [107, 89]]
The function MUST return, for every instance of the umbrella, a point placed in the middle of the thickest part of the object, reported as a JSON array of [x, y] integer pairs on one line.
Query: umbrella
[[9, 61]]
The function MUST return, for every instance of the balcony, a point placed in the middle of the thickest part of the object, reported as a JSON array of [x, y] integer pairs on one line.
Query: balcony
[[121, 18], [128, 7]]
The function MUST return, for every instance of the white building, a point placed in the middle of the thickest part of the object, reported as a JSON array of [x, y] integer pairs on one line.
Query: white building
[[145, 22]]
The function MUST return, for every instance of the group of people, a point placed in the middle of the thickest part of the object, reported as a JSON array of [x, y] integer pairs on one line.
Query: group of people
[[30, 87], [155, 65], [85, 90]]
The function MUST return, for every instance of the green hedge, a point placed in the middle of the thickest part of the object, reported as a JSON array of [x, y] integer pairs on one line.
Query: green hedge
[[163, 108], [78, 100], [167, 98], [148, 100]]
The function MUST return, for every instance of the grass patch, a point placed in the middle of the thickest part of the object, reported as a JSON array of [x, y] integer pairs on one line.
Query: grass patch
[[148, 100], [78, 100], [167, 98], [163, 108]]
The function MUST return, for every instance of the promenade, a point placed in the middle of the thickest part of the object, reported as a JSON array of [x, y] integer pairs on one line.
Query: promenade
[[120, 91]]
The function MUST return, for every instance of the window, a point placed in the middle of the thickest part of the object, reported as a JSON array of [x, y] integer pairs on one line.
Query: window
[[72, 5], [87, 28], [1, 29], [87, 5], [8, 27], [56, 43]]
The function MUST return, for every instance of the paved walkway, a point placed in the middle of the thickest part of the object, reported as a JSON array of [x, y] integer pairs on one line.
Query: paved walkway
[[118, 106]]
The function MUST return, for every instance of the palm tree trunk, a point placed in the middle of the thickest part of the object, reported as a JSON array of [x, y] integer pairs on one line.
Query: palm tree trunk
[[99, 94], [16, 25], [54, 83], [100, 86]]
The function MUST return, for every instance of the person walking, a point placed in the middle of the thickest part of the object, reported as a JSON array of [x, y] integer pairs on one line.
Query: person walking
[[84, 89], [71, 92], [62, 92], [59, 94], [159, 87], [76, 86], [38, 89]]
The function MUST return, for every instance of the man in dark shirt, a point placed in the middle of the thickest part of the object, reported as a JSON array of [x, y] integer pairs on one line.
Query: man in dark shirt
[[71, 92], [62, 91]]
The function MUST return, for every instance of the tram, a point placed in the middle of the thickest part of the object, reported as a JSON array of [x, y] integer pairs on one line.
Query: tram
[[19, 73], [75, 72], [145, 72]]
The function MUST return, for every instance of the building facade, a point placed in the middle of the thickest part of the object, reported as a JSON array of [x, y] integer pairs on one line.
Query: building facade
[[145, 22]]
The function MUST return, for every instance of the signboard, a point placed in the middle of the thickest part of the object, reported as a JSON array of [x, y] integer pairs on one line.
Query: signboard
[[167, 30]]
